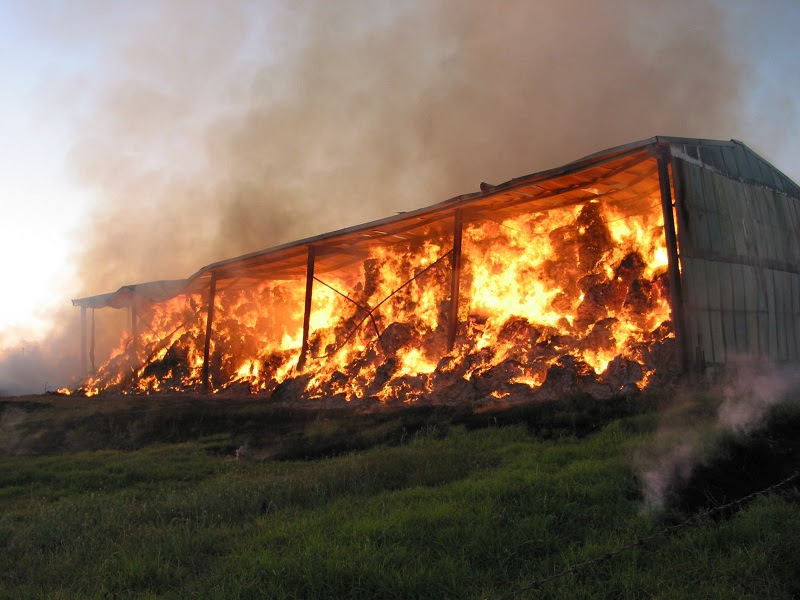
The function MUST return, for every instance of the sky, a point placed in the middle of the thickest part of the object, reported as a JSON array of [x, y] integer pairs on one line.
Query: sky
[[144, 140]]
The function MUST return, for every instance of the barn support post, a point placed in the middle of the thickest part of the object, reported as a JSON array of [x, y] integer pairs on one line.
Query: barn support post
[[212, 293], [676, 293], [134, 341], [455, 279], [84, 370], [301, 363], [91, 346], [134, 331]]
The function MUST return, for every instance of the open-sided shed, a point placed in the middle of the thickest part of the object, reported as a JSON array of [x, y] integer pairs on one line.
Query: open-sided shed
[[731, 227]]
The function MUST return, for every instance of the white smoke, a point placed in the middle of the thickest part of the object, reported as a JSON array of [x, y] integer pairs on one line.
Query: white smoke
[[689, 433]]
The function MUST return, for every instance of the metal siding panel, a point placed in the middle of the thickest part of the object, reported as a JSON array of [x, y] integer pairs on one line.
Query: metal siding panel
[[715, 312], [700, 240], [686, 232], [763, 321], [782, 218], [782, 184], [778, 222], [791, 347], [726, 307], [778, 237], [708, 338], [774, 227], [793, 309], [763, 226], [692, 316], [794, 211], [773, 179], [773, 323], [789, 232], [713, 283], [780, 317], [701, 233], [761, 218], [702, 343], [782, 215], [752, 333], [740, 314], [690, 325], [796, 324], [731, 170], [738, 201], [753, 167], [724, 204], [750, 231], [761, 169], [745, 168], [712, 156], [703, 177], [788, 319], [790, 226], [700, 288], [717, 336], [691, 176], [750, 288], [693, 294], [716, 237]]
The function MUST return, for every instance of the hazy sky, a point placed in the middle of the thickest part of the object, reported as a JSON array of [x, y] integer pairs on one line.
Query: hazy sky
[[142, 140]]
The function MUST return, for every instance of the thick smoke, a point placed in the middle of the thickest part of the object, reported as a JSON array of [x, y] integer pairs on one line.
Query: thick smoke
[[208, 129], [215, 132]]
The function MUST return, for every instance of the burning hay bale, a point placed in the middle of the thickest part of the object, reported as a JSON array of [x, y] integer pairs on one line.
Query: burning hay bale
[[569, 301]]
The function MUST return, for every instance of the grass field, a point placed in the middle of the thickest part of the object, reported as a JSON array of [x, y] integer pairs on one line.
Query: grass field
[[226, 498]]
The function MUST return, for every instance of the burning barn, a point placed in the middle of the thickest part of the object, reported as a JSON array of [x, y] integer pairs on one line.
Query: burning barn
[[621, 270]]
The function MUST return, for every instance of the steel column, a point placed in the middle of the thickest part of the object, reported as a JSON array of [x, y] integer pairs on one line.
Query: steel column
[[91, 346], [212, 292], [676, 292], [455, 279], [134, 331], [134, 343], [307, 310], [84, 369]]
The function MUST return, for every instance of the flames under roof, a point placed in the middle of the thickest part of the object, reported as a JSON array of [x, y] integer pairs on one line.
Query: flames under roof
[[625, 176]]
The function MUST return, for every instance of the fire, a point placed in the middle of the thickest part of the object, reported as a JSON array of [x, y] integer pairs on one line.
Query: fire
[[578, 293]]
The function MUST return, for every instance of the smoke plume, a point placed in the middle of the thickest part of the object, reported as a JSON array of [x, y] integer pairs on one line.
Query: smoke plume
[[214, 132], [204, 130], [690, 431]]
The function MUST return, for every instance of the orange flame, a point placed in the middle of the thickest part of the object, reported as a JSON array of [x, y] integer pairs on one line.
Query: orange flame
[[586, 282]]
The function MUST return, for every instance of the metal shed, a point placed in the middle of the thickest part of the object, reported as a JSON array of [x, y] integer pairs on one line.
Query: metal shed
[[731, 224]]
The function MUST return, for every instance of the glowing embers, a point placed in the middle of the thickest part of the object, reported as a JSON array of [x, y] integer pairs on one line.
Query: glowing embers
[[551, 302]]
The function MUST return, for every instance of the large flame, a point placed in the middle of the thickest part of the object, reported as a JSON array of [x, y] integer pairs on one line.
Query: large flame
[[580, 290]]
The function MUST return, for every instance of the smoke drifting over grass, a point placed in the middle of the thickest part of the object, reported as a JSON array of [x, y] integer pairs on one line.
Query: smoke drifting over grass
[[209, 129], [690, 432]]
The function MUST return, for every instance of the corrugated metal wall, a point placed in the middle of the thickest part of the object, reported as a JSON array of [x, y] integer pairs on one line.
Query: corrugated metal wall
[[739, 242]]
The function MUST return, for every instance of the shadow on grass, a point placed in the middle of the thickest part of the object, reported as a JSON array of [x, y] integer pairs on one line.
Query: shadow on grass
[[258, 431]]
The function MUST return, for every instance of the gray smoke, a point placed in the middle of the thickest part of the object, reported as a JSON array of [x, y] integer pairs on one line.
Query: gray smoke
[[220, 131]]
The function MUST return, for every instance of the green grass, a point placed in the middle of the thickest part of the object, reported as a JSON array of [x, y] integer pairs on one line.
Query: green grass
[[425, 504]]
